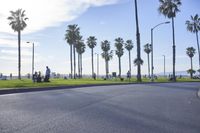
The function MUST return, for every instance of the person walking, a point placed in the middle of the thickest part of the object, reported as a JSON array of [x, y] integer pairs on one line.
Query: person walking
[[47, 74]]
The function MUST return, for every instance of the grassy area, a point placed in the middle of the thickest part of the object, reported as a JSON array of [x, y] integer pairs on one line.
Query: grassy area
[[26, 83], [5, 84]]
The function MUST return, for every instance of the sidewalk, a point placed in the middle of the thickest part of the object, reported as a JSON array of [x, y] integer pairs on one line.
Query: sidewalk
[[24, 90]]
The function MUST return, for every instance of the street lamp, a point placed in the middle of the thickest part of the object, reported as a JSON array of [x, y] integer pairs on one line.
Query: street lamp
[[164, 65], [152, 67], [97, 64], [32, 58]]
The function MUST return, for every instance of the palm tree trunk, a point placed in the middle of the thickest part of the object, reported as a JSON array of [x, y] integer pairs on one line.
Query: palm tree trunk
[[92, 64], [119, 67], [129, 52], [106, 68], [174, 50], [74, 61], [71, 61], [148, 65], [198, 47], [191, 74], [79, 66], [138, 43], [19, 54]]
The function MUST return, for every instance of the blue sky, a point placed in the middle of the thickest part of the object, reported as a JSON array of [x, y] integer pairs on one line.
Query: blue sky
[[105, 19]]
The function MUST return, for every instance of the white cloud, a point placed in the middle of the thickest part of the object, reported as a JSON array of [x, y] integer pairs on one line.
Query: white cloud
[[13, 43], [15, 52], [46, 13]]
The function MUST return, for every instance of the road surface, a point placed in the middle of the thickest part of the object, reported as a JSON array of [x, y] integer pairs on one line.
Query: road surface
[[137, 108]]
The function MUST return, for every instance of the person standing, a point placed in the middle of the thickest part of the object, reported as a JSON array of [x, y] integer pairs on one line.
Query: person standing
[[47, 75], [10, 76], [35, 75]]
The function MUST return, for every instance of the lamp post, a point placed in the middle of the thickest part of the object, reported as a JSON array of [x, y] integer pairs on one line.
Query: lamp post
[[97, 64], [32, 58], [164, 65], [152, 67]]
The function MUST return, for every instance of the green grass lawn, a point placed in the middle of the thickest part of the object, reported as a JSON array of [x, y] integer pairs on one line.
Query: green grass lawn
[[27, 83]]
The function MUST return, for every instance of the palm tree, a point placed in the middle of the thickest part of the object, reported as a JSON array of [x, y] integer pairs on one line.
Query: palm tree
[[107, 55], [79, 43], [91, 42], [129, 47], [138, 62], [194, 27], [17, 23], [80, 49], [72, 33], [169, 8], [68, 38], [138, 44], [147, 50], [191, 72], [119, 42], [190, 51]]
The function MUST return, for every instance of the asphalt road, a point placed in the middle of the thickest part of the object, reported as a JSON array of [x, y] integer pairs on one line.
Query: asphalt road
[[145, 108]]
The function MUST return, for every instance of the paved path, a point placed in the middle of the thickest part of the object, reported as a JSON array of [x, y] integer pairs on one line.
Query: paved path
[[146, 108]]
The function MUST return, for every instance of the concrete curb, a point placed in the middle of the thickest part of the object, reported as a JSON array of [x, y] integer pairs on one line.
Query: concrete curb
[[25, 90]]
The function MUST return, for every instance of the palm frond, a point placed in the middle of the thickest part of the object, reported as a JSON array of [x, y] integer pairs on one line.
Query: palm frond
[[17, 20]]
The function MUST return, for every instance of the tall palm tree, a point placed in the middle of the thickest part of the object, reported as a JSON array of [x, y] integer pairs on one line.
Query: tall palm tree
[[194, 27], [92, 42], [107, 55], [147, 50], [169, 8], [190, 51], [17, 23], [119, 42], [80, 49], [68, 38], [129, 47], [71, 35], [191, 72], [139, 79], [138, 62], [79, 43]]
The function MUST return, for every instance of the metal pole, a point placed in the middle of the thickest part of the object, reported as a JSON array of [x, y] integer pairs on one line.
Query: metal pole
[[164, 65], [152, 78], [33, 61], [152, 67], [32, 57], [97, 65]]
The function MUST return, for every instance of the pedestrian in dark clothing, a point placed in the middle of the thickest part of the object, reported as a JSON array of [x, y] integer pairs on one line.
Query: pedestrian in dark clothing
[[35, 75], [47, 74]]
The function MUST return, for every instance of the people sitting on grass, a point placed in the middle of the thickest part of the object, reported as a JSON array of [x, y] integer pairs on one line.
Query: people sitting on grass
[[35, 75], [39, 77]]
